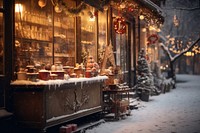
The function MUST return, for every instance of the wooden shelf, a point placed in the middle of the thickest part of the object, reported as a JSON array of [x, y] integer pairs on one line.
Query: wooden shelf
[[31, 40]]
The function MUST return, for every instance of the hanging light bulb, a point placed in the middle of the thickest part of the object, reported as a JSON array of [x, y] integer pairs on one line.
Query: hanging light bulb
[[58, 8], [122, 5], [141, 17], [105, 8], [42, 3]]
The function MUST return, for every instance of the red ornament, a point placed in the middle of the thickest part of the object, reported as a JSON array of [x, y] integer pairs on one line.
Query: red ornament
[[120, 25], [96, 13], [131, 9], [147, 57]]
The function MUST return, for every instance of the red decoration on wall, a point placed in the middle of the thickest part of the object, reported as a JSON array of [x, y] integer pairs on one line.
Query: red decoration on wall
[[130, 9], [96, 13], [152, 39], [147, 57], [120, 25]]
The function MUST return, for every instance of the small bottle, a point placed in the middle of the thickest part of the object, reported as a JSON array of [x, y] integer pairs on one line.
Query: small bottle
[[53, 68]]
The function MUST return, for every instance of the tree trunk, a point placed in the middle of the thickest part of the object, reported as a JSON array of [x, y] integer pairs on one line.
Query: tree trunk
[[172, 71]]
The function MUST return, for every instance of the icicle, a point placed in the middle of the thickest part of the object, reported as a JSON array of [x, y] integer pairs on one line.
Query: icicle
[[59, 83], [81, 85], [54, 86], [49, 85]]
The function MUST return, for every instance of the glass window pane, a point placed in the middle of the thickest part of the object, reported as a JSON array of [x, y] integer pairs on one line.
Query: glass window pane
[[1, 45], [33, 33], [102, 24], [64, 37], [88, 36], [121, 53]]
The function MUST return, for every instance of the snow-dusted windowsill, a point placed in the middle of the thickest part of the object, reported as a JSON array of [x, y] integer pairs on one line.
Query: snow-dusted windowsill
[[60, 82]]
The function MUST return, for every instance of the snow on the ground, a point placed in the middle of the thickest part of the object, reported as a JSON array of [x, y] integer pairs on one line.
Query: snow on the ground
[[177, 111]]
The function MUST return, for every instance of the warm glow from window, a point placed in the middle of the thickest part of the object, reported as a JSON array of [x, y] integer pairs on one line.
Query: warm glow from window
[[18, 8]]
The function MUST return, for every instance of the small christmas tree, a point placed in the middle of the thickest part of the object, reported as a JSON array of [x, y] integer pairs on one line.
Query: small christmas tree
[[145, 83]]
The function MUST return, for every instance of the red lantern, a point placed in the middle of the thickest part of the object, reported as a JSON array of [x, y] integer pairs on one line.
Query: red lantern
[[120, 25]]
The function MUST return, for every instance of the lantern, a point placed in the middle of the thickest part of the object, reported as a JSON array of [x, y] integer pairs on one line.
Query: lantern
[[42, 3]]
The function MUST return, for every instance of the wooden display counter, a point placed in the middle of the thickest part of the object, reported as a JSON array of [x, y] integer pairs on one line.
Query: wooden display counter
[[43, 104]]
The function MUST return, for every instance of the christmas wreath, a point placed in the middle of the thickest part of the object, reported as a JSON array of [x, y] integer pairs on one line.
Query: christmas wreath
[[152, 39], [120, 25]]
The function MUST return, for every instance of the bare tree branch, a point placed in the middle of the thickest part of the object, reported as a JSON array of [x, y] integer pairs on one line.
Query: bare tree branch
[[174, 58], [166, 50], [186, 50]]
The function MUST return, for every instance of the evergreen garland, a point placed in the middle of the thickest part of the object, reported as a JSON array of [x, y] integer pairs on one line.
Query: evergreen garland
[[72, 10]]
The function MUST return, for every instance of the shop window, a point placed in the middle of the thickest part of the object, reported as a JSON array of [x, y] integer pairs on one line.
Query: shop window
[[64, 35], [102, 35], [88, 34], [43, 35], [121, 52], [122, 55]]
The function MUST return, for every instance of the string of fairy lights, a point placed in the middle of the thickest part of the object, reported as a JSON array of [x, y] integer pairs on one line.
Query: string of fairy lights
[[179, 44], [135, 8]]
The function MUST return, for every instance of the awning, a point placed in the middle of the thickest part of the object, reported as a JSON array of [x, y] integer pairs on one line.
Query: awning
[[145, 7], [150, 10], [153, 6], [98, 4]]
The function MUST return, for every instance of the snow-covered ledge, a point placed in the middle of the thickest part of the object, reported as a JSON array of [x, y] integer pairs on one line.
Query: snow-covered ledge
[[64, 116], [60, 82]]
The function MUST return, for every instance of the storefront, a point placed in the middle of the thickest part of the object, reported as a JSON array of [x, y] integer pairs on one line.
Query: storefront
[[61, 53]]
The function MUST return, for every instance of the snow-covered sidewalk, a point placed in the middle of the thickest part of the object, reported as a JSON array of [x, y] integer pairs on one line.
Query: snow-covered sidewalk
[[175, 112]]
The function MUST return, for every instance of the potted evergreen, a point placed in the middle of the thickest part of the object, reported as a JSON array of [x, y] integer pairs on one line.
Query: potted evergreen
[[145, 83]]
